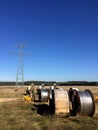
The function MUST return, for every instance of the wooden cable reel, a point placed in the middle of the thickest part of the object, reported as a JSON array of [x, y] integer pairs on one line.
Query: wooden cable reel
[[59, 102]]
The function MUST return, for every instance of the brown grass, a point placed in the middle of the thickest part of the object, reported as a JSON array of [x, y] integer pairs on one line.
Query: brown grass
[[20, 115]]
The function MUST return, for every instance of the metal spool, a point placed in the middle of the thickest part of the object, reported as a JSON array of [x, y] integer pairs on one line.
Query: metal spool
[[82, 102], [51, 100], [43, 95], [61, 102], [87, 104]]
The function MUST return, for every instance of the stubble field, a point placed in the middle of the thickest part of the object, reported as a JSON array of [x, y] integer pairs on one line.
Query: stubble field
[[17, 114]]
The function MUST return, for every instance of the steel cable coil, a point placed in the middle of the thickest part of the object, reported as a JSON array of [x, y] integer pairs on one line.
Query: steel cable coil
[[43, 95], [87, 104]]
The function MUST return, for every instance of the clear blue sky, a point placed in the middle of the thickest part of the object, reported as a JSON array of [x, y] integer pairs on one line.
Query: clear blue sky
[[60, 35]]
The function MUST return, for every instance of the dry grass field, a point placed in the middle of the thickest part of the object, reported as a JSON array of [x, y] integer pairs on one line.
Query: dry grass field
[[17, 114]]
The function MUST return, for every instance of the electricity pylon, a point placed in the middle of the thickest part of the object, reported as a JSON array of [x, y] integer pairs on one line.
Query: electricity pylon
[[20, 69]]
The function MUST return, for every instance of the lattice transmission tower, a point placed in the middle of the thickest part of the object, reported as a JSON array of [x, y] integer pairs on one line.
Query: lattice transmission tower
[[20, 68]]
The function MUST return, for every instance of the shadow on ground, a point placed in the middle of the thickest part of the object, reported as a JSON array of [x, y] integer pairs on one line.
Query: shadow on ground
[[42, 109]]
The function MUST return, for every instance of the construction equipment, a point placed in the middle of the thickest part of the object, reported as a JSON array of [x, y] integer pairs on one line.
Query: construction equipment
[[96, 99], [70, 102], [28, 98]]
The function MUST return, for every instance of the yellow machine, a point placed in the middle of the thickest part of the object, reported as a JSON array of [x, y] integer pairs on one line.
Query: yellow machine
[[96, 99], [28, 98]]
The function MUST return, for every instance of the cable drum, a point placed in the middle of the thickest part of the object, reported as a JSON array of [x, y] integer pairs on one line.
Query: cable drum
[[61, 102], [51, 92], [51, 101], [87, 105], [43, 95]]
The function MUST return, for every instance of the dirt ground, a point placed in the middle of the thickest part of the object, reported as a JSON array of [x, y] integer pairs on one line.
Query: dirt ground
[[10, 93], [7, 99]]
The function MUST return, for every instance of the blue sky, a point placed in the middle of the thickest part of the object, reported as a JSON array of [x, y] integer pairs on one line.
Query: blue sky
[[60, 35]]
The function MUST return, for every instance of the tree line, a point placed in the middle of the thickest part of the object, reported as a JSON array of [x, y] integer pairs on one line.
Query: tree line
[[51, 83]]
